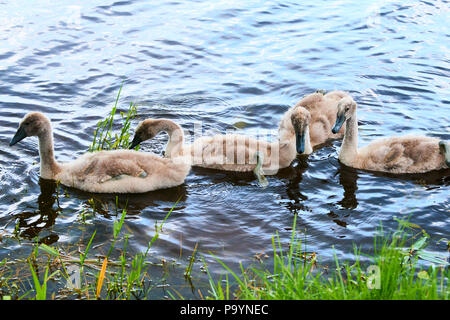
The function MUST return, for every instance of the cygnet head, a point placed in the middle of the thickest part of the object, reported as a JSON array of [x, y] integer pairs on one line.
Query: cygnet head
[[145, 130], [345, 110], [445, 149], [300, 118], [33, 124]]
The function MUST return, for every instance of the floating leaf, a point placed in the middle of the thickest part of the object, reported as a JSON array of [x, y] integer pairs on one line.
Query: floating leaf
[[423, 275], [240, 124], [49, 250]]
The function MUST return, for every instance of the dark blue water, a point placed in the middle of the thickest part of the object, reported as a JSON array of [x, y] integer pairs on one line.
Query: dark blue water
[[224, 64]]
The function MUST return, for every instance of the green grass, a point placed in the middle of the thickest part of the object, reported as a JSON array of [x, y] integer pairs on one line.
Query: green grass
[[122, 278], [103, 137], [399, 267], [393, 272]]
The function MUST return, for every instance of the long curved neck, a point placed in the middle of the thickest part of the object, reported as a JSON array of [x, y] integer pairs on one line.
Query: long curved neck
[[286, 133], [49, 166], [174, 146], [349, 148]]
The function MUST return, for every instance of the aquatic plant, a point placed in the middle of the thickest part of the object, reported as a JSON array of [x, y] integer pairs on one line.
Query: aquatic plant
[[103, 136], [114, 279], [393, 272]]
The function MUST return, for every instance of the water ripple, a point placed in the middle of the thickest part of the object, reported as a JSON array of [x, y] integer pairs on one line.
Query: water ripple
[[229, 65]]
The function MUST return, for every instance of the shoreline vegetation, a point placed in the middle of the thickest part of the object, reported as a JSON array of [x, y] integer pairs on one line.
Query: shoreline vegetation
[[398, 268], [394, 271]]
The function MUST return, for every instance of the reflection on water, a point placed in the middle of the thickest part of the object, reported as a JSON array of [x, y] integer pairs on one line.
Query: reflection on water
[[107, 204], [30, 223], [294, 176], [348, 178], [227, 65]]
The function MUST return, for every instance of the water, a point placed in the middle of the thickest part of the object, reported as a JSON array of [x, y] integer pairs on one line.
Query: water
[[223, 63]]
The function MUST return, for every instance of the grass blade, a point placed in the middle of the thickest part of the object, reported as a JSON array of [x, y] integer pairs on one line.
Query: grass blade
[[101, 277]]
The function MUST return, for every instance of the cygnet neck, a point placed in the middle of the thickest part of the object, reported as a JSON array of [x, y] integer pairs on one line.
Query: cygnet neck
[[349, 148], [174, 146], [49, 166]]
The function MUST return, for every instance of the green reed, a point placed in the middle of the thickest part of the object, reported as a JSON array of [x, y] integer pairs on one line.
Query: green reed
[[188, 270], [104, 139]]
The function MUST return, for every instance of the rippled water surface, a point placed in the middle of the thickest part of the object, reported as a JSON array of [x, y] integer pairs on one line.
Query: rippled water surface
[[224, 64]]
